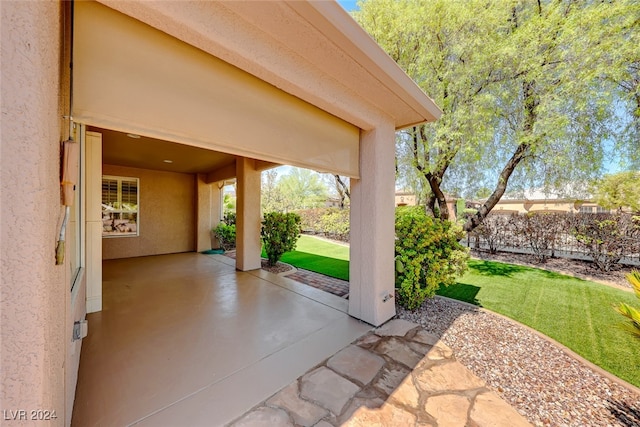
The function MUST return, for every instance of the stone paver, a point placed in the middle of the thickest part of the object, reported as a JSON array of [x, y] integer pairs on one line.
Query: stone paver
[[303, 412], [395, 327], [449, 410], [391, 378], [407, 394], [387, 415], [356, 363], [328, 389], [264, 417], [356, 404], [449, 376], [399, 351], [404, 376], [491, 411]]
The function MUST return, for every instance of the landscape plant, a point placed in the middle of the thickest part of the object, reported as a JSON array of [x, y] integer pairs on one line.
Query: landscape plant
[[226, 235], [539, 232], [335, 224], [330, 222], [495, 230], [631, 313], [279, 234], [607, 237], [428, 255]]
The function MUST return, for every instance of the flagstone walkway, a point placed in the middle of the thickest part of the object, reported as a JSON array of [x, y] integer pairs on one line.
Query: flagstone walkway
[[396, 375]]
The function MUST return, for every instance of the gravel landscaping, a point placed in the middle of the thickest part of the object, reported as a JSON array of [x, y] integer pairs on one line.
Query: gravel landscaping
[[543, 383]]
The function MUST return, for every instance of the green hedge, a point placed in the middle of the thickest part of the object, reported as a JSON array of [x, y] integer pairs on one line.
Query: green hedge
[[428, 255], [279, 233]]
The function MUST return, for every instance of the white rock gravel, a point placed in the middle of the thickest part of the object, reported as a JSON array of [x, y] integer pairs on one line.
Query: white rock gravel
[[536, 377]]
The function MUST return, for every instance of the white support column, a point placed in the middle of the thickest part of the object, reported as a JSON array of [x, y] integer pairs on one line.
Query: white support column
[[93, 216], [372, 228], [248, 215]]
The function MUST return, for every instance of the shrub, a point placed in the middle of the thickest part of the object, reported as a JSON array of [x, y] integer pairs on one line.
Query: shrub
[[229, 218], [632, 313], [226, 235], [335, 224], [331, 222], [428, 255], [607, 237], [540, 232], [279, 233], [495, 230], [310, 220]]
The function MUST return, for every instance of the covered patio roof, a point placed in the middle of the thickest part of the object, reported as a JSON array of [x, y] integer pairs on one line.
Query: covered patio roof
[[312, 50]]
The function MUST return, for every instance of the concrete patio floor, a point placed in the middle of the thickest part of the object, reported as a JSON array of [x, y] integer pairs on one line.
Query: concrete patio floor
[[186, 340]]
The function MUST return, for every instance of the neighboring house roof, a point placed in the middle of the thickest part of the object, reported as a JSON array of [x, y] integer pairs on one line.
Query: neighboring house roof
[[354, 79]]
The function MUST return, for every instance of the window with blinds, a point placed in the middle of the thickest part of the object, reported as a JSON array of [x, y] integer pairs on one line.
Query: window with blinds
[[120, 200]]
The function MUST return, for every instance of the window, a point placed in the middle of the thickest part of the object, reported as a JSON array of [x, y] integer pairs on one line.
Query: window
[[586, 209], [120, 199], [600, 209]]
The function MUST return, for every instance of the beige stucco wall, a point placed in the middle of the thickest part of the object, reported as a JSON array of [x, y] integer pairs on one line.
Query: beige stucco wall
[[34, 292], [166, 214]]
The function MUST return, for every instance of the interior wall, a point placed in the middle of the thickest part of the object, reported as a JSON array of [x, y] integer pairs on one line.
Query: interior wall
[[34, 292], [167, 214]]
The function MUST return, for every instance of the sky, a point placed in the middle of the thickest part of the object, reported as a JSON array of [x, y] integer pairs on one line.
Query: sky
[[349, 5]]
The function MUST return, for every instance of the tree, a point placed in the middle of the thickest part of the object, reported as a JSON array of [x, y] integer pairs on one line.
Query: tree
[[617, 191], [272, 198], [302, 189], [523, 86], [342, 188]]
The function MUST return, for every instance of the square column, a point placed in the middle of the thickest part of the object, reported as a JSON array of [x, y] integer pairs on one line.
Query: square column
[[247, 215], [372, 269], [208, 212]]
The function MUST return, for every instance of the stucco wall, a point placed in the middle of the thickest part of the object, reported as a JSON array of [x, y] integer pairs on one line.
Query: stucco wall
[[166, 214], [34, 292]]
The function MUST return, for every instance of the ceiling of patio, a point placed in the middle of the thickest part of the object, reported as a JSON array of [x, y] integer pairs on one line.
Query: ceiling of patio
[[149, 153]]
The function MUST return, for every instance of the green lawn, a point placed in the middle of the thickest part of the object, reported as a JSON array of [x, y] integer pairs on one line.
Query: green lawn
[[320, 256], [574, 312]]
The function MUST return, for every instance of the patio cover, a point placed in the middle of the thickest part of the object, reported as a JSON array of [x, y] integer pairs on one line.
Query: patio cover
[[131, 77]]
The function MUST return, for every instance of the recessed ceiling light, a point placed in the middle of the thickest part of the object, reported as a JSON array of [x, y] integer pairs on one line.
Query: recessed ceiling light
[[133, 135], [168, 161]]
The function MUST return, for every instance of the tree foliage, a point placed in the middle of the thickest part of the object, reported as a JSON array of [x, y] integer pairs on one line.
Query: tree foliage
[[529, 95], [299, 189], [619, 191]]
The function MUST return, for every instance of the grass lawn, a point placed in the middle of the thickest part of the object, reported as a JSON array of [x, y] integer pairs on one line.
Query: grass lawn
[[320, 256], [574, 312]]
